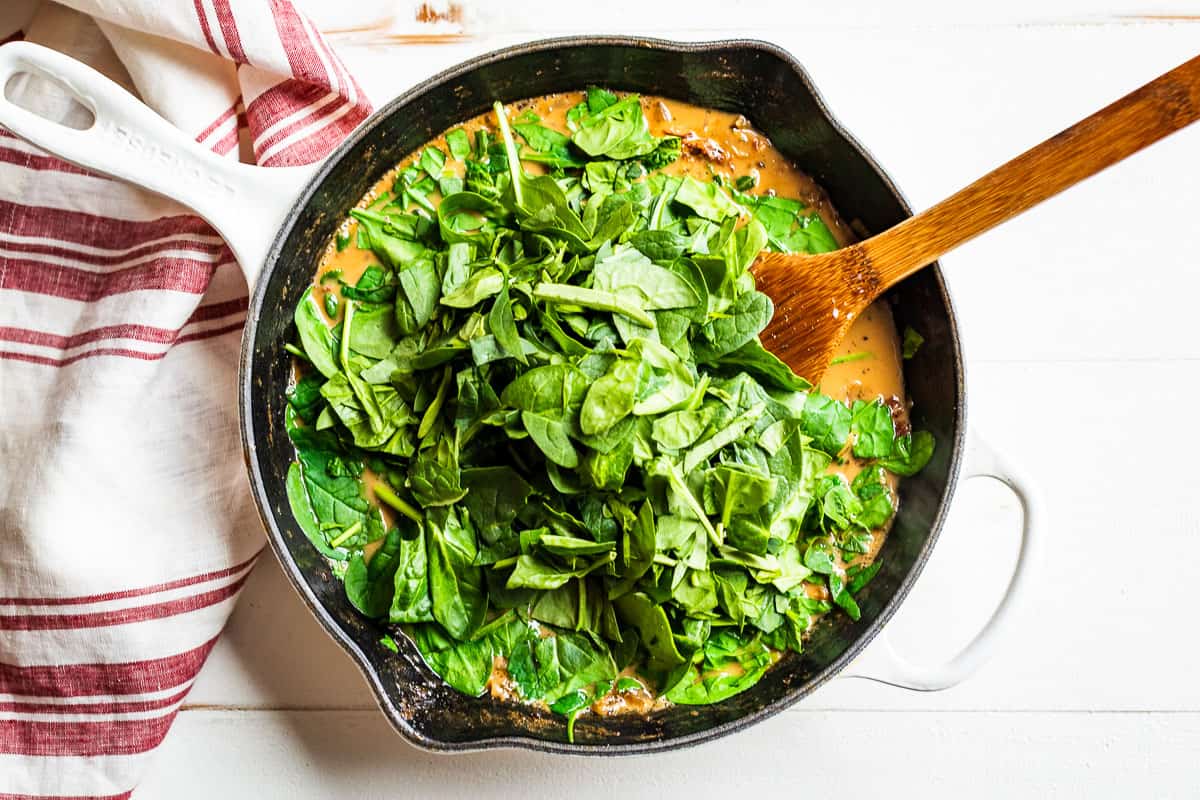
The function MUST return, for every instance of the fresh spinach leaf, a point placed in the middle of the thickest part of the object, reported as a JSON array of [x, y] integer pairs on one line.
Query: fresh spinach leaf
[[434, 476], [654, 630], [912, 452], [411, 601], [369, 585], [860, 577], [745, 319], [873, 429], [459, 144], [504, 326], [618, 130], [707, 200], [729, 666], [911, 343], [754, 359], [827, 422], [465, 665], [456, 584], [315, 336]]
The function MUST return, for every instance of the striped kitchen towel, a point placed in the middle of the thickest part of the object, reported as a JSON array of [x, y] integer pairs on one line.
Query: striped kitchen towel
[[126, 523]]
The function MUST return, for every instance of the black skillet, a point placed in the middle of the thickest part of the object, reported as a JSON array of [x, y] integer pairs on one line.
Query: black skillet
[[278, 222]]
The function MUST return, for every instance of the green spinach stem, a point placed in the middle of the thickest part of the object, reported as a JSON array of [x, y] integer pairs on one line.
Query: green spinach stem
[[385, 493], [510, 150]]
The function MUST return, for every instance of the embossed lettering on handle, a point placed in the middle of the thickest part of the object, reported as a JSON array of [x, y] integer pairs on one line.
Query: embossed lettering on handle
[[189, 171]]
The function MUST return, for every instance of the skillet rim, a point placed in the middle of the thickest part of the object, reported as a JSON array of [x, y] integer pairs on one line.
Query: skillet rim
[[292, 570]]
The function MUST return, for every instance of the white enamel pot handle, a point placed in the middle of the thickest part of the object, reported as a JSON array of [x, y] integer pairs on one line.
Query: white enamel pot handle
[[880, 662], [247, 205]]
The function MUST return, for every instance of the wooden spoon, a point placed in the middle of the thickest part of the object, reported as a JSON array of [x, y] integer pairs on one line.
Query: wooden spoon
[[817, 297]]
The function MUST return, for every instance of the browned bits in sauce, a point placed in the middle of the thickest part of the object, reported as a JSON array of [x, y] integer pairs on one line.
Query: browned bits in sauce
[[500, 685], [632, 701], [703, 147], [899, 408]]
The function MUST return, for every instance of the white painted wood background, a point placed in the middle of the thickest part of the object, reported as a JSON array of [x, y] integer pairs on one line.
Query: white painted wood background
[[1083, 356]]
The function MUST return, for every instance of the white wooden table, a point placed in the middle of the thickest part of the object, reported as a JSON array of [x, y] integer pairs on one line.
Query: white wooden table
[[1084, 365]]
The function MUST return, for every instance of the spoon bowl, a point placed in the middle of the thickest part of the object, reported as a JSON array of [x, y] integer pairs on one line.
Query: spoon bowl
[[818, 296]]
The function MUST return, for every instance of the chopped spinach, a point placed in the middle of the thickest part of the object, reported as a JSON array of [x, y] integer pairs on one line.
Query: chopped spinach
[[557, 384], [911, 343]]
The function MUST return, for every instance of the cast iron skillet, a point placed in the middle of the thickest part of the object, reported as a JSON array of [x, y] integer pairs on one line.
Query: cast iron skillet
[[260, 216]]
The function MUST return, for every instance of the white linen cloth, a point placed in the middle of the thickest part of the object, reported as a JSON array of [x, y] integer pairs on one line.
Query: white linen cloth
[[126, 523]]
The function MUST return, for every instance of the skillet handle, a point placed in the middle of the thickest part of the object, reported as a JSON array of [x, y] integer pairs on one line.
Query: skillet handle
[[127, 140], [883, 664]]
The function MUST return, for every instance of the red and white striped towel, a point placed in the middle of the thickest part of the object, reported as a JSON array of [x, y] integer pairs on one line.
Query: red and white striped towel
[[126, 525]]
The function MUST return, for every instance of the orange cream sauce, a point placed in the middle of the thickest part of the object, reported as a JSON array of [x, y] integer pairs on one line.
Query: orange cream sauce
[[714, 143]]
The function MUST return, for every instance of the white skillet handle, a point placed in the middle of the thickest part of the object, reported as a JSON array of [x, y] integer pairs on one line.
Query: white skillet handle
[[882, 663], [246, 205]]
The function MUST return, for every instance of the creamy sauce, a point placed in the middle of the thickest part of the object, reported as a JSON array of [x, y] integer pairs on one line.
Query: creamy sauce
[[714, 143]]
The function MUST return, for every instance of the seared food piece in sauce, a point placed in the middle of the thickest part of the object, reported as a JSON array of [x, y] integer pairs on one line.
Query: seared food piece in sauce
[[537, 432]]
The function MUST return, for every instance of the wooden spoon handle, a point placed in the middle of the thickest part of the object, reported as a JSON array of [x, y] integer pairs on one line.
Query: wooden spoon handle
[[1140, 118]]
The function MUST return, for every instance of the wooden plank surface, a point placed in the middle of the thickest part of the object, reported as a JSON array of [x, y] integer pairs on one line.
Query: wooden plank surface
[[1094, 694], [352, 754]]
